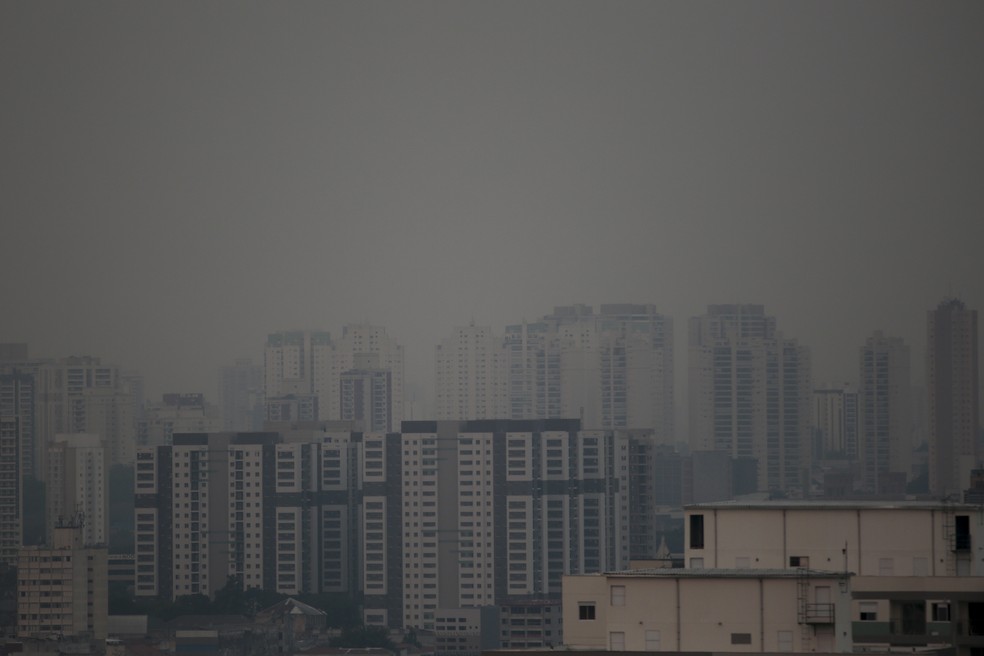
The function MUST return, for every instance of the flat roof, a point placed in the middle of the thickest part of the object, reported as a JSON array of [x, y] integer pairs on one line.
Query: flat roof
[[784, 504], [712, 573]]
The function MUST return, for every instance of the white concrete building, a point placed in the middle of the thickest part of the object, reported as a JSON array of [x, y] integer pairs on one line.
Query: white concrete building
[[470, 375], [305, 363], [486, 513], [780, 611]]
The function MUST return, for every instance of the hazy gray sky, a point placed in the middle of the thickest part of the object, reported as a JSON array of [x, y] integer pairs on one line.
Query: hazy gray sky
[[180, 179]]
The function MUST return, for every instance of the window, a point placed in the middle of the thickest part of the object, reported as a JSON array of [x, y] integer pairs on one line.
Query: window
[[618, 595], [586, 610], [696, 531], [616, 641], [869, 611], [799, 561], [941, 611], [741, 638], [652, 640], [784, 640]]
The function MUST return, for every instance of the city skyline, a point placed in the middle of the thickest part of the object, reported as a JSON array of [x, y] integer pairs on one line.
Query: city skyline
[[168, 178]]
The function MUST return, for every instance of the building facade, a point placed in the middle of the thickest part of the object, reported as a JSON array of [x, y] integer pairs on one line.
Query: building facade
[[885, 399], [262, 510], [750, 394], [488, 512], [952, 379], [241, 396], [917, 578], [62, 588], [311, 364], [77, 487], [778, 611]]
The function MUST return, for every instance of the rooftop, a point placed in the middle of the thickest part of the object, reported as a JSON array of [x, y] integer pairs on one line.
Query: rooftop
[[745, 573], [785, 504]]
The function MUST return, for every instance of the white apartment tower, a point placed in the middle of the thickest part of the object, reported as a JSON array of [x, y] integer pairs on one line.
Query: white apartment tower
[[311, 364], [488, 512], [750, 394], [612, 369], [470, 375], [884, 396]]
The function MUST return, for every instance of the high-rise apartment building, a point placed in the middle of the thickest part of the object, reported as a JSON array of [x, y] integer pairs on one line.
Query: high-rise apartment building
[[272, 513], [76, 487], [304, 364], [487, 512], [241, 396], [11, 488], [884, 395], [366, 392], [470, 375], [952, 377], [750, 394], [612, 369]]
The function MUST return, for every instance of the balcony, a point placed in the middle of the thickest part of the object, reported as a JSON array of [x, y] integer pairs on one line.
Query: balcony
[[818, 614]]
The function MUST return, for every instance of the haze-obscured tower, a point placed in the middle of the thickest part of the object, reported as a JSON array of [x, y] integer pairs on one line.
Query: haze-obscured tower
[[241, 396], [470, 375], [886, 435], [612, 369], [952, 378], [750, 392], [307, 365], [77, 487]]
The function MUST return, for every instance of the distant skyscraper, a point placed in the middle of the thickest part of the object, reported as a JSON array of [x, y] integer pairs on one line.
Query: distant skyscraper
[[953, 396], [470, 375], [366, 392], [241, 396], [11, 486], [613, 369], [750, 393], [835, 423], [303, 364], [176, 413], [885, 397], [76, 488]]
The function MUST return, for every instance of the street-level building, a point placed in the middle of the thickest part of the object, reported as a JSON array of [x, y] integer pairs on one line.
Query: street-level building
[[62, 588], [730, 610]]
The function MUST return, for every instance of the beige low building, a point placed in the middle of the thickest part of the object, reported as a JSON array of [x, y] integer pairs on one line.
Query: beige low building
[[709, 610], [62, 589], [867, 538], [918, 566]]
